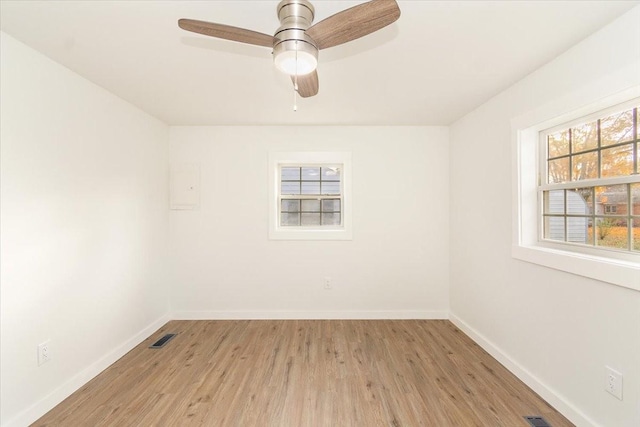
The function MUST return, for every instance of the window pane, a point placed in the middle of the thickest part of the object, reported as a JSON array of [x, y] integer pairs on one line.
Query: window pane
[[290, 206], [289, 219], [617, 128], [611, 199], [287, 174], [635, 197], [310, 219], [311, 206], [331, 174], [580, 201], [331, 187], [558, 170], [311, 174], [584, 137], [585, 166], [558, 143], [554, 202], [612, 232], [617, 161], [290, 188], [554, 228], [590, 232], [331, 218], [310, 187], [578, 230], [331, 205]]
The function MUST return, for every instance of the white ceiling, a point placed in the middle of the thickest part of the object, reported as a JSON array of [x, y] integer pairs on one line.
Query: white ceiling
[[440, 60]]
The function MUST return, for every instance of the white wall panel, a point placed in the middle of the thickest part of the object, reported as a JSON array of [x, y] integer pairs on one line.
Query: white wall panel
[[84, 229], [395, 266]]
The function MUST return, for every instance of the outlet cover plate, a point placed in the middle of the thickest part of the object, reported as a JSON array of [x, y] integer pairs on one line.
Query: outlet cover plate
[[44, 352], [613, 382]]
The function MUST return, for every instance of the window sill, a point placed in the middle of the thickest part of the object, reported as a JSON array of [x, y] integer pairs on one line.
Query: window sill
[[282, 233], [617, 272]]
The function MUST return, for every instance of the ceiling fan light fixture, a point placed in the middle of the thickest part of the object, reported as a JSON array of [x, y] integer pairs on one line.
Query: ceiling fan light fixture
[[297, 41], [295, 57], [296, 63]]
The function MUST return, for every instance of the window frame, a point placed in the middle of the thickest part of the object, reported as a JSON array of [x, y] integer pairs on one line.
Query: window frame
[[610, 266], [302, 197], [277, 160]]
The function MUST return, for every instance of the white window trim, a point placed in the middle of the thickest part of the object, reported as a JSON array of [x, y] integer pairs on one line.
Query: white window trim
[[276, 232], [619, 269]]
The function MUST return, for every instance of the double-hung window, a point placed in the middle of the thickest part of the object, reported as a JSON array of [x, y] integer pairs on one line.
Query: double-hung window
[[591, 187], [577, 187], [309, 196]]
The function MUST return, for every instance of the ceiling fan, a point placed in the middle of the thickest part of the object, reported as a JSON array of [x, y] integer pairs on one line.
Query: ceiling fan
[[296, 42]]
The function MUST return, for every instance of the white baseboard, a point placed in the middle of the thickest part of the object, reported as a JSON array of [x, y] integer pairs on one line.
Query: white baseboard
[[38, 409], [307, 315], [551, 396]]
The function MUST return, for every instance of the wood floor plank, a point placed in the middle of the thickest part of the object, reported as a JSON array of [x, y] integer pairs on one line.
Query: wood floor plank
[[305, 373]]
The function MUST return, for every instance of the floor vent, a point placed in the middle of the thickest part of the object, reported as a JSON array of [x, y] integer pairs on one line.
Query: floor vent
[[537, 421], [162, 341]]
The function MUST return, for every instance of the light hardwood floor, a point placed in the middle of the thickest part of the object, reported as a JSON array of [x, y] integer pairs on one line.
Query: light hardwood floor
[[305, 373]]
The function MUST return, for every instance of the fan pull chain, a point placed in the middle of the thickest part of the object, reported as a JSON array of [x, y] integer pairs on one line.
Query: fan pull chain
[[295, 95], [295, 83]]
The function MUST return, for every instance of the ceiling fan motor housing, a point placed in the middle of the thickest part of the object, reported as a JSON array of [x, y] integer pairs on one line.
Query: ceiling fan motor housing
[[291, 40]]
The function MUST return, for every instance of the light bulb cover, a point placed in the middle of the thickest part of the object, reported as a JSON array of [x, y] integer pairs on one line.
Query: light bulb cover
[[295, 57]]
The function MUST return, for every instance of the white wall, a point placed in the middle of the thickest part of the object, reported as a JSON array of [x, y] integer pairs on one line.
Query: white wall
[[396, 265], [84, 229], [555, 329]]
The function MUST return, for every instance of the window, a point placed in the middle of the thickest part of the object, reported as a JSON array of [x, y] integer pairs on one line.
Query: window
[[309, 196], [576, 193], [591, 188]]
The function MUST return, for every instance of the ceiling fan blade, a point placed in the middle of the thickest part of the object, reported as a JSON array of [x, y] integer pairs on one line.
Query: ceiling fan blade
[[354, 23], [308, 84], [226, 32]]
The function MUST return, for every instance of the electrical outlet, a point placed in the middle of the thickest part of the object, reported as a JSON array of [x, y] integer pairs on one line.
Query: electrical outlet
[[327, 283], [613, 382], [44, 352]]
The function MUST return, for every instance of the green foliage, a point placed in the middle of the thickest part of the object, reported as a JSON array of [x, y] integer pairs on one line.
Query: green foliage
[[604, 227]]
